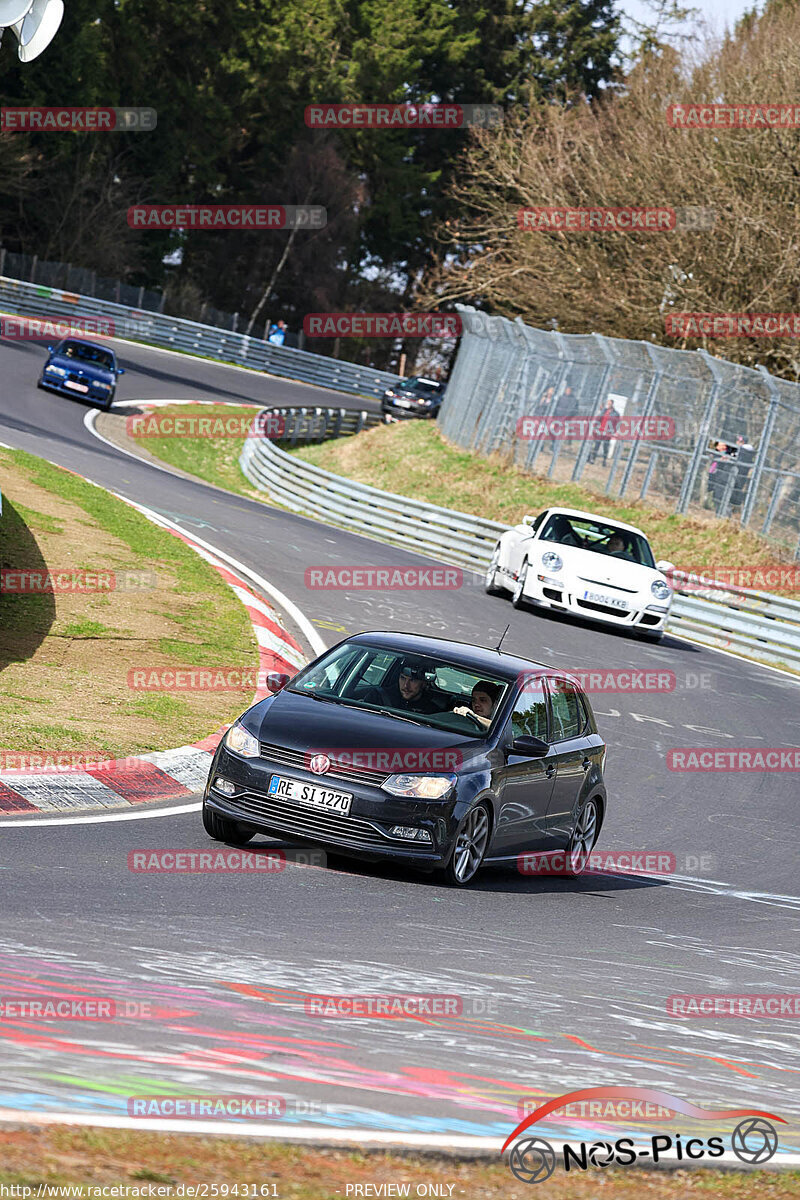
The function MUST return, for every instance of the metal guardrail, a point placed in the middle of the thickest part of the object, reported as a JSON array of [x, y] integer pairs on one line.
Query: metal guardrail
[[208, 341], [319, 424], [752, 624]]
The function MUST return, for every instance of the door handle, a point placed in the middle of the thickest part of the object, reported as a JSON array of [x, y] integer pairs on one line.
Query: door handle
[[587, 762], [550, 772]]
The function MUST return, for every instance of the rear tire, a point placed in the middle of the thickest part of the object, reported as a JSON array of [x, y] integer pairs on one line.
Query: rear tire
[[583, 838], [222, 829]]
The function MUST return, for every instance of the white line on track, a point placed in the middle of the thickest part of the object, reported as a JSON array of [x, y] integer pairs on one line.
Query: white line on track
[[327, 1135], [106, 817]]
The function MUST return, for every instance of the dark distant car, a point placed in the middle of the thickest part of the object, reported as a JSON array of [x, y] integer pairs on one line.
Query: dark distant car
[[413, 397], [415, 749], [78, 368]]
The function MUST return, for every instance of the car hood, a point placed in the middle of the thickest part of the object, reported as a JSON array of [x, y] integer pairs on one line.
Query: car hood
[[602, 568], [299, 723], [88, 370]]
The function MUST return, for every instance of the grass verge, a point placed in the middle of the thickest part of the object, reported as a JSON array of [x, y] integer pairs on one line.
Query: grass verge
[[213, 459], [412, 459], [67, 657], [53, 1157]]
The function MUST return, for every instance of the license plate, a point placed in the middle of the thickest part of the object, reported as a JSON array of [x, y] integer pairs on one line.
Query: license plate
[[310, 794], [76, 387], [403, 403], [609, 601]]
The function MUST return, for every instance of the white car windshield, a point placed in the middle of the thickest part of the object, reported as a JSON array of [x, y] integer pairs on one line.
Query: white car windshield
[[610, 540]]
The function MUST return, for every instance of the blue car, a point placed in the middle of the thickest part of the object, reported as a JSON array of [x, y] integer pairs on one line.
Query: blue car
[[78, 368]]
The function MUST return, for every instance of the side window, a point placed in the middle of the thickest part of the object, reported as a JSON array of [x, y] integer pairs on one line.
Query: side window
[[566, 709], [529, 718], [377, 669]]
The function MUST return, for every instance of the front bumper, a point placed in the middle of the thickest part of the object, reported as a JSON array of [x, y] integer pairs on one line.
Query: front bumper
[[363, 833], [644, 611], [57, 384], [393, 409]]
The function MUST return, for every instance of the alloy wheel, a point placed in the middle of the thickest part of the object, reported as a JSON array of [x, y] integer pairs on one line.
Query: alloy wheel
[[471, 843], [583, 838]]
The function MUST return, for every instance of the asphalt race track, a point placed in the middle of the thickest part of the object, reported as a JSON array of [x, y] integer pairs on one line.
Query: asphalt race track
[[564, 983]]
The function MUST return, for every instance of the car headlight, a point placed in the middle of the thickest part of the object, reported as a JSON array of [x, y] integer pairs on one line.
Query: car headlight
[[56, 370], [660, 589], [422, 787], [241, 742], [97, 383], [551, 560]]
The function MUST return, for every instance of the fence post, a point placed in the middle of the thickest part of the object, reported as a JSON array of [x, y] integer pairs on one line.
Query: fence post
[[33, 268], [647, 408], [2, 260], [648, 475], [583, 453], [763, 446], [702, 436], [773, 504]]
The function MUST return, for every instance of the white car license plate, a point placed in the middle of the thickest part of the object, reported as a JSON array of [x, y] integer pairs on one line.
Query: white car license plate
[[609, 601], [310, 794], [76, 387], [403, 403]]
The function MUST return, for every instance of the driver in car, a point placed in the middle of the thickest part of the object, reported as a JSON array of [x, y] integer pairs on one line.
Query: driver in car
[[412, 687], [484, 701]]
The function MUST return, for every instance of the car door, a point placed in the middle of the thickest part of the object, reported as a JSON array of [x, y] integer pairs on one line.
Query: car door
[[568, 721], [525, 784]]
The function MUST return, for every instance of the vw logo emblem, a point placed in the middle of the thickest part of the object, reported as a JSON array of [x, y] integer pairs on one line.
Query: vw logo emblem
[[754, 1140], [533, 1160], [320, 764]]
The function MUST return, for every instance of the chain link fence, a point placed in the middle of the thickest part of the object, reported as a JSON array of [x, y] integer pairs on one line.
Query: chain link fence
[[31, 269], [726, 440]]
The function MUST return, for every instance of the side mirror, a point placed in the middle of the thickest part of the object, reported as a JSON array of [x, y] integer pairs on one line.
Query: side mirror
[[531, 747], [49, 349], [120, 370], [665, 567], [528, 519], [276, 682]]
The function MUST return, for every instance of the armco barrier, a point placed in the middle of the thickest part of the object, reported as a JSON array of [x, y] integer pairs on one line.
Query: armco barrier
[[752, 624], [175, 333]]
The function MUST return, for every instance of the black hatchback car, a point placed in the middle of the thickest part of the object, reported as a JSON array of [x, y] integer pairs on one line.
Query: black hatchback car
[[413, 397], [431, 752]]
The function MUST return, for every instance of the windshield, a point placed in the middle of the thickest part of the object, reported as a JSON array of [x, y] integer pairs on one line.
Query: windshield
[[598, 537], [88, 354], [426, 390], [417, 687]]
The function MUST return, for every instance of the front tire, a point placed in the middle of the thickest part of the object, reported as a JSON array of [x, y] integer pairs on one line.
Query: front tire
[[518, 596], [221, 829], [469, 850], [583, 839]]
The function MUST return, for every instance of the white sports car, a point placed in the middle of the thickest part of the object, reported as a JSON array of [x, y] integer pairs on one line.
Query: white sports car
[[580, 563]]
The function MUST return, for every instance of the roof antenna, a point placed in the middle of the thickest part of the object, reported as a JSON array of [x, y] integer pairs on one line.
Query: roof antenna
[[499, 644]]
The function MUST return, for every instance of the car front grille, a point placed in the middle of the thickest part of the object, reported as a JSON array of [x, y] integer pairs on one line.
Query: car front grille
[[299, 760], [309, 823]]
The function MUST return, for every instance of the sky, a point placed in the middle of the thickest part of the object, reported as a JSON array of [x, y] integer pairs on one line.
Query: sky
[[719, 14]]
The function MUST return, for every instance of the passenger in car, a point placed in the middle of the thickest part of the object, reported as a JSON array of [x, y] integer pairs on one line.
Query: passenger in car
[[484, 702]]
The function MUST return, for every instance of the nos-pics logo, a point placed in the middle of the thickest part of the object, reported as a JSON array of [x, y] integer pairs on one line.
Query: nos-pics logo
[[533, 1159]]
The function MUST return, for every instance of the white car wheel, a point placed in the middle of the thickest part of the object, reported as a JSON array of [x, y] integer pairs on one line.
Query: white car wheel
[[518, 596], [490, 583]]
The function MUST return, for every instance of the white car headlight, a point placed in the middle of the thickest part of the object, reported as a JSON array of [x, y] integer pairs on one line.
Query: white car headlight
[[423, 787], [551, 560], [241, 742], [660, 589], [56, 370]]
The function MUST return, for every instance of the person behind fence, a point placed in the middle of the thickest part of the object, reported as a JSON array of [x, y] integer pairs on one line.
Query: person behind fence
[[277, 333], [609, 420]]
